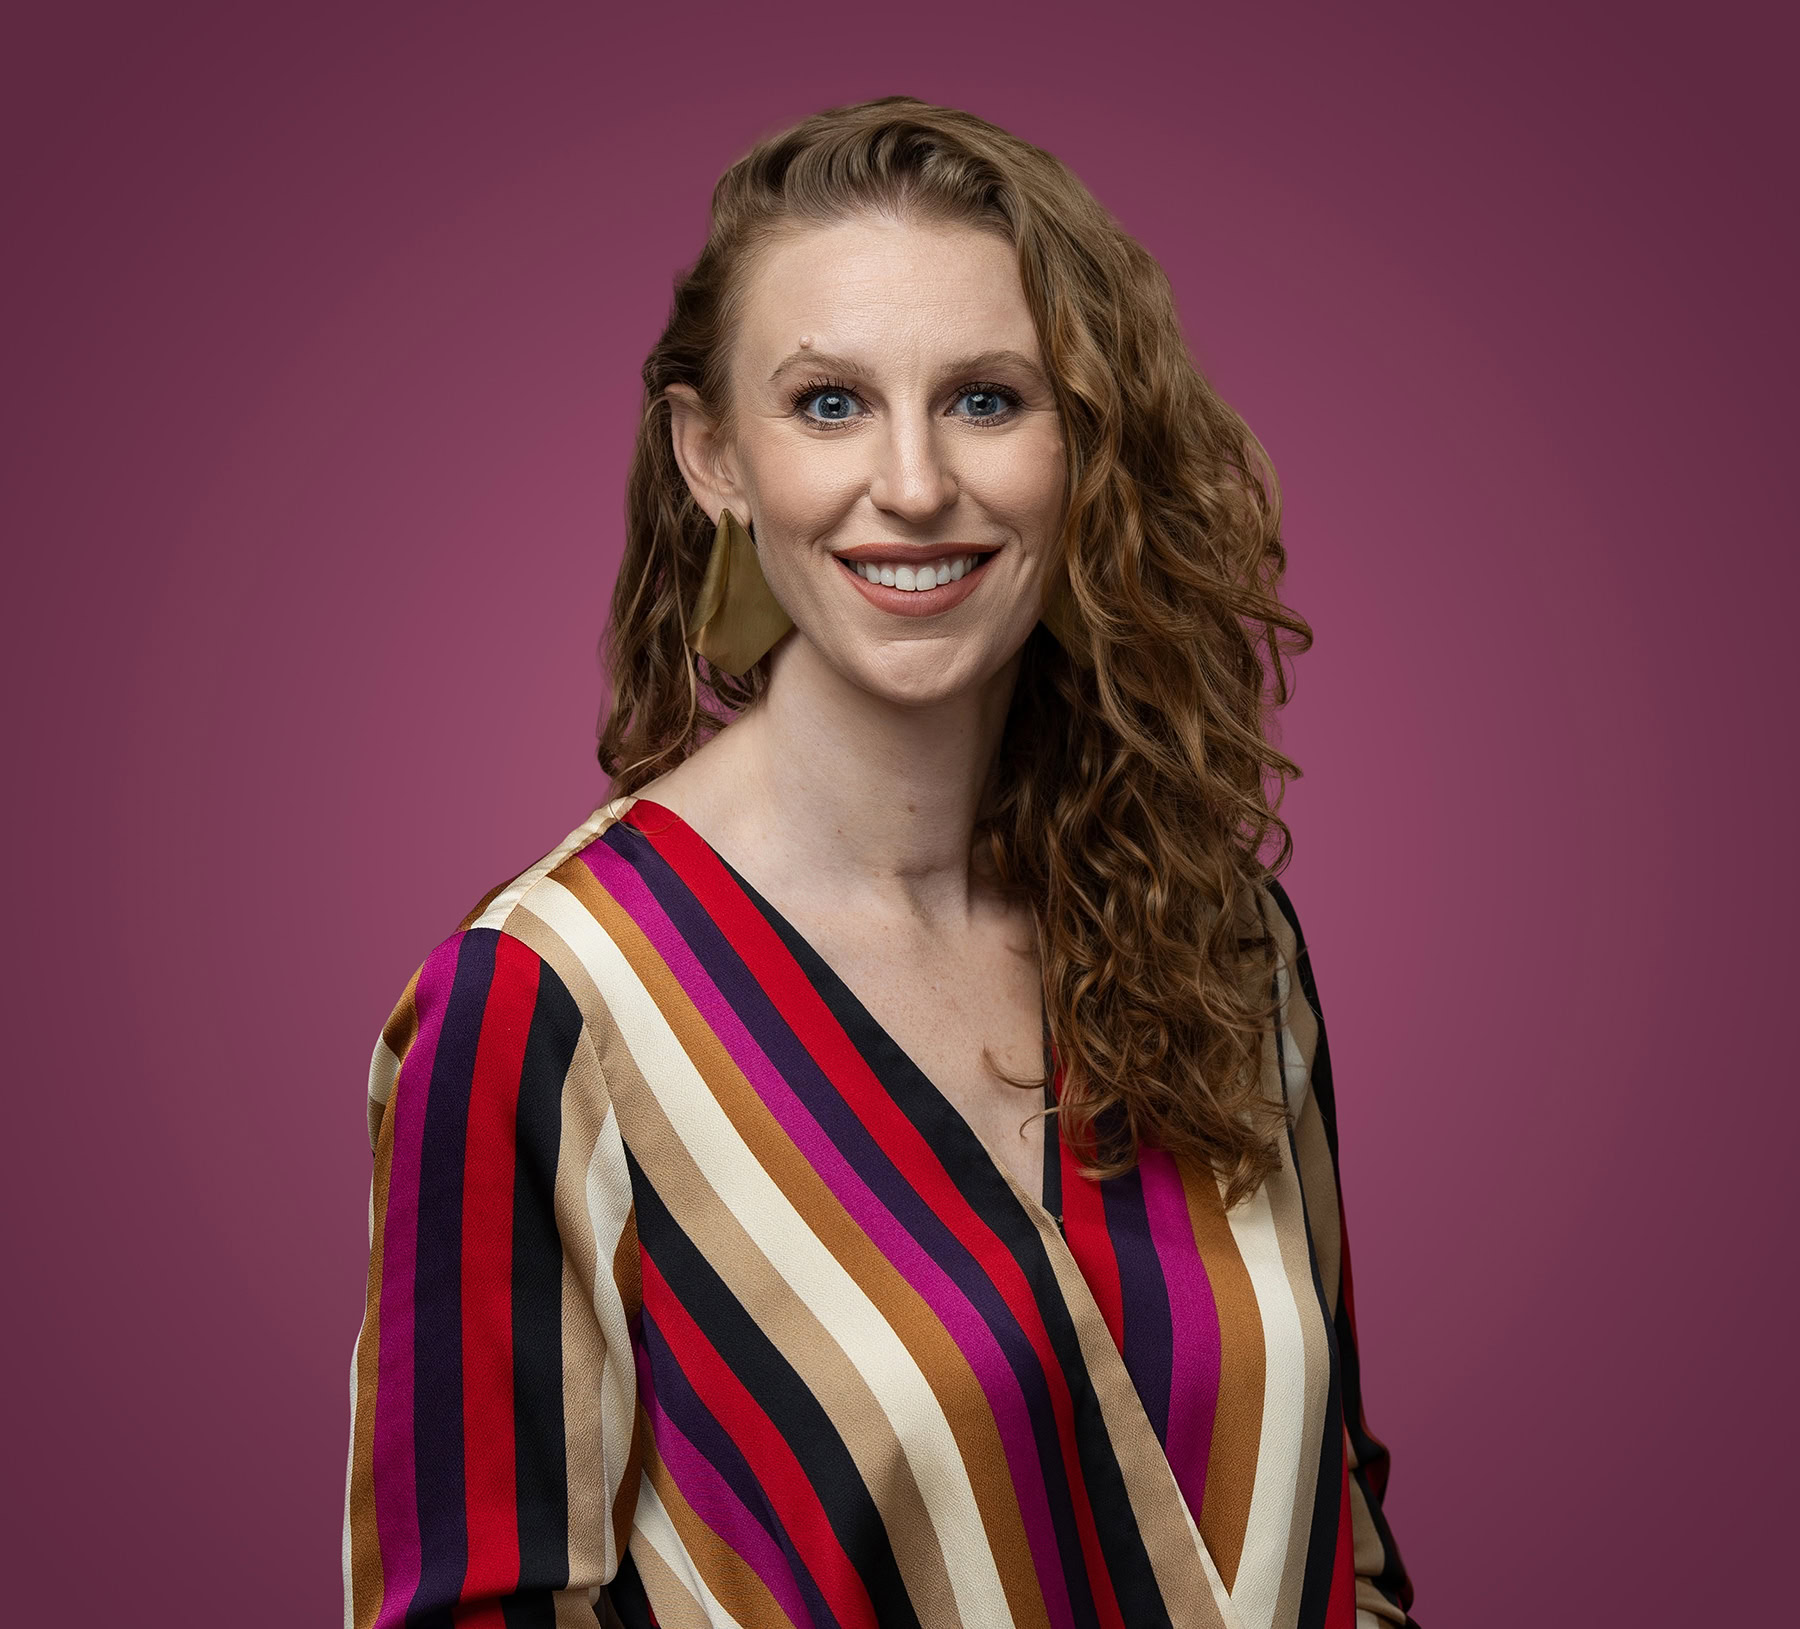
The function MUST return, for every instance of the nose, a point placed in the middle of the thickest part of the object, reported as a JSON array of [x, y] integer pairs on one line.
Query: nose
[[912, 479]]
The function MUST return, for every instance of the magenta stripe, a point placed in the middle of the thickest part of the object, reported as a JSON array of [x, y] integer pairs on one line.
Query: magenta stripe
[[1194, 1369], [716, 1503], [974, 1339], [396, 1495]]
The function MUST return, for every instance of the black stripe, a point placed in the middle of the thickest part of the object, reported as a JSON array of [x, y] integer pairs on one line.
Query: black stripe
[[948, 1134], [437, 1291], [539, 1446], [1371, 1468], [1322, 1532], [688, 1412], [529, 1609], [783, 1395], [972, 1168], [625, 1594]]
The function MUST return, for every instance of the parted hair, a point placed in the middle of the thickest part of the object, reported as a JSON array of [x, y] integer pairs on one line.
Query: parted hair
[[1136, 801]]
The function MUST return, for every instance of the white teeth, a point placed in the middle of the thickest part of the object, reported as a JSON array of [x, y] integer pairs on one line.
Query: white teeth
[[916, 579]]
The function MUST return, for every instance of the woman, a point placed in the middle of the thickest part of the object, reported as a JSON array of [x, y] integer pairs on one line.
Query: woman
[[874, 1169]]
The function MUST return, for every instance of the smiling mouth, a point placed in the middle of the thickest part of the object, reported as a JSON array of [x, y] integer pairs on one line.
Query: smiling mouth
[[910, 579]]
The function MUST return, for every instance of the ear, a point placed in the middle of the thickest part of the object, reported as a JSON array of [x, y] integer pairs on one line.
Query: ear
[[707, 463]]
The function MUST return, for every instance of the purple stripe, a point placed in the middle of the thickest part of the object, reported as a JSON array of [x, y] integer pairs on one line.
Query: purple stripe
[[973, 1338], [711, 1498], [1194, 1374], [394, 1474]]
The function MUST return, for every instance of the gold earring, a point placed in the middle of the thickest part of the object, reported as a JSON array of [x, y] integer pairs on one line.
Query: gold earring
[[737, 619]]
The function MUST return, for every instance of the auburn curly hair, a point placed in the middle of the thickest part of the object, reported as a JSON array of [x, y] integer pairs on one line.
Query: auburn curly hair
[[1136, 805]]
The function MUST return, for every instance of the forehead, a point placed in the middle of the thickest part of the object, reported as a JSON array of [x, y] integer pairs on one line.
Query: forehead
[[887, 292]]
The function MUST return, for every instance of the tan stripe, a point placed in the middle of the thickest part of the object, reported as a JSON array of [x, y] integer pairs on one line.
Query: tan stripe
[[919, 1329], [1237, 1421], [1320, 1187], [670, 1599], [1290, 1230], [855, 1412], [480, 905], [585, 1358], [403, 1022], [1298, 1033], [1369, 1553], [654, 1533], [366, 1579], [733, 1583]]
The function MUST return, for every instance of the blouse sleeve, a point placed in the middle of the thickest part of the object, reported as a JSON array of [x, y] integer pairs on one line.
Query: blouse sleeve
[[492, 1467], [1384, 1592]]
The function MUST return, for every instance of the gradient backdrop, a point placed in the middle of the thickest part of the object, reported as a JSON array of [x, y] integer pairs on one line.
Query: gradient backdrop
[[319, 387]]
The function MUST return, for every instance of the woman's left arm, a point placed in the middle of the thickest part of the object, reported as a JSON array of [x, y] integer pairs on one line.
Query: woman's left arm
[[1384, 1592]]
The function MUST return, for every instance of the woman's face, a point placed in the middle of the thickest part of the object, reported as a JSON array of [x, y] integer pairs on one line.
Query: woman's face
[[896, 447]]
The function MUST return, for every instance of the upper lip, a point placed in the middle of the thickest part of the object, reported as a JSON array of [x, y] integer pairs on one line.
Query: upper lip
[[907, 554]]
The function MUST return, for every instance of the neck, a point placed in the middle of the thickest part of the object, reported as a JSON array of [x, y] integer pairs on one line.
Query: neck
[[826, 790]]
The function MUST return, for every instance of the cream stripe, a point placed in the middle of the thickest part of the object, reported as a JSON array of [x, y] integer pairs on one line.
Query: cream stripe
[[654, 1522], [609, 1209], [589, 1304], [824, 1369], [495, 914], [1296, 1058], [814, 1274], [384, 1070], [670, 1599], [1272, 1512]]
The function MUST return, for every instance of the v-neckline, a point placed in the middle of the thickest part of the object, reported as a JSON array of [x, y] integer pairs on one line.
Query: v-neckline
[[1047, 1202], [1103, 1358]]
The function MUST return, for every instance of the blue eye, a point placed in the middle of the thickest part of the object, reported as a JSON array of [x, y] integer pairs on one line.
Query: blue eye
[[837, 402], [994, 405]]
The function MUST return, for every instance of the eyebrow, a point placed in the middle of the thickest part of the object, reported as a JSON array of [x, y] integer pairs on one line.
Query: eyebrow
[[980, 362]]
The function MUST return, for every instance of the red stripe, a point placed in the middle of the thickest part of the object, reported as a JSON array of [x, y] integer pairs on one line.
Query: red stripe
[[778, 1472], [487, 1274], [1340, 1609], [805, 1011], [1084, 1226]]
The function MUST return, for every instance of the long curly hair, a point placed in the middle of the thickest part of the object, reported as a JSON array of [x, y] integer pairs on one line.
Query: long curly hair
[[1136, 804]]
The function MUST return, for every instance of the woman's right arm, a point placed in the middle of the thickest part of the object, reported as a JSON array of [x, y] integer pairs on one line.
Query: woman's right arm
[[491, 1465]]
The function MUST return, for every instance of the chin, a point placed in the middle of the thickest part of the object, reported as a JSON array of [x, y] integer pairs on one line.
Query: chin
[[921, 675]]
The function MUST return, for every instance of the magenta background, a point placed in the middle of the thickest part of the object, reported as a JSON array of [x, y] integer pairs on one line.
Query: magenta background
[[318, 400]]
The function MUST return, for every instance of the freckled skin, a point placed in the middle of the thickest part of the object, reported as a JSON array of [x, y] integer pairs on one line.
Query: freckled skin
[[848, 794], [914, 465]]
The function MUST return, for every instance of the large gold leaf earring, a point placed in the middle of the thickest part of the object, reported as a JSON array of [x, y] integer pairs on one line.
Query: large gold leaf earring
[[736, 620]]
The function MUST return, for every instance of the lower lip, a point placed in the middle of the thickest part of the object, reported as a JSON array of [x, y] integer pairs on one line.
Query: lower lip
[[919, 602]]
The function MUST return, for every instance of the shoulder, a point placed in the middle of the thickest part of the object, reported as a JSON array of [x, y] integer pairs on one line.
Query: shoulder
[[511, 976]]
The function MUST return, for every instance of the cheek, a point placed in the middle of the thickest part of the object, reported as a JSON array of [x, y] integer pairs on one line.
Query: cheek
[[1026, 483], [800, 495]]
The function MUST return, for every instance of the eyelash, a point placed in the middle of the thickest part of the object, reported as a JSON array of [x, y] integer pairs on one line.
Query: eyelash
[[975, 387]]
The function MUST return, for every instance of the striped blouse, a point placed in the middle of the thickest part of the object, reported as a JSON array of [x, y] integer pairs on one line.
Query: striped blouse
[[692, 1301]]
